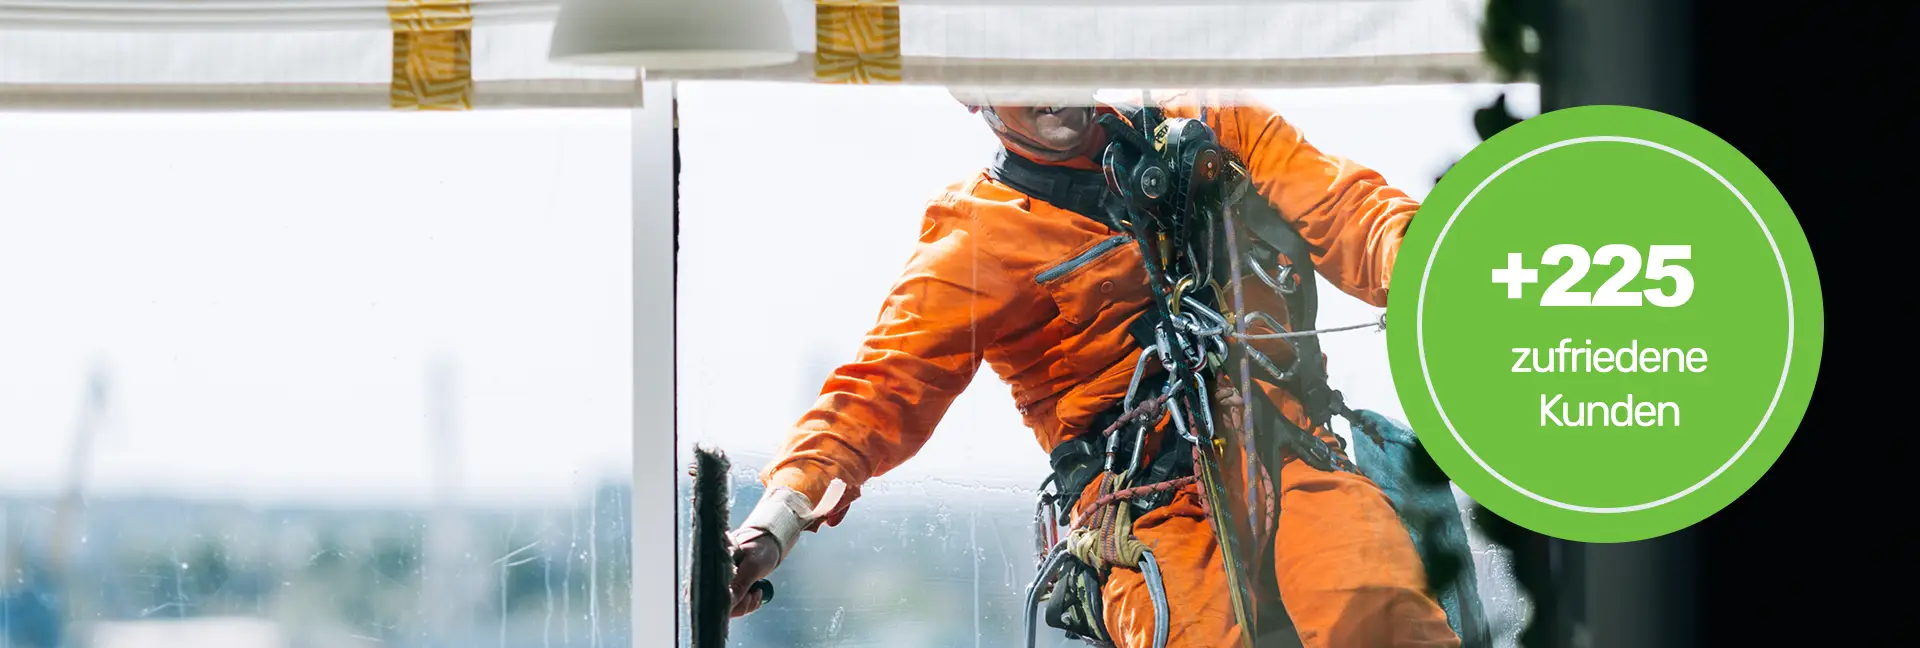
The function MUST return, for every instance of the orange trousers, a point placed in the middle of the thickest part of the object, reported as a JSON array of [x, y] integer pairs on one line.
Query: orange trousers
[[1347, 571]]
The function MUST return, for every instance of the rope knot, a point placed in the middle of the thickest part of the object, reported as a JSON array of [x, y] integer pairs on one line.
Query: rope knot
[[1103, 549]]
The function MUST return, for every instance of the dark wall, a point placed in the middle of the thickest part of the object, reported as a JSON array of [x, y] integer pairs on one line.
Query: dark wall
[[1787, 83]]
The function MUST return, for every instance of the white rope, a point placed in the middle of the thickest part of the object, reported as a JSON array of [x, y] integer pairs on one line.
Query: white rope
[[1380, 324]]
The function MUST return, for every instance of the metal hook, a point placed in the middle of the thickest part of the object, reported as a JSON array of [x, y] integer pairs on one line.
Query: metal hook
[[1247, 320], [1180, 423], [1219, 321], [1113, 446], [1139, 443], [1205, 418], [1285, 282], [1055, 557], [1261, 358], [1179, 289], [1156, 592], [1044, 525], [1191, 325], [1166, 347], [1139, 369], [1172, 387]]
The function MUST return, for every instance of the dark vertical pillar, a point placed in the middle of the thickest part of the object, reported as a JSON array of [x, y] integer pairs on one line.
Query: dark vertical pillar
[[1631, 53], [1621, 52]]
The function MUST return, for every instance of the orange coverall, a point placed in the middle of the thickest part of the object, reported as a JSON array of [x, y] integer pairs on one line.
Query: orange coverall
[[1346, 568]]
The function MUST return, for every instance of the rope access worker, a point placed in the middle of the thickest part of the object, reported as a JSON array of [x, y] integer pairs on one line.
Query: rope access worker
[[1044, 296]]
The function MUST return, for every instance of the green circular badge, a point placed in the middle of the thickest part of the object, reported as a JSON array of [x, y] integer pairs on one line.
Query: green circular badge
[[1605, 324]]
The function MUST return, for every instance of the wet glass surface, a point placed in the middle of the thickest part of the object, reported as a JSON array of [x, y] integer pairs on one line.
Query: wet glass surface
[[815, 227], [343, 380]]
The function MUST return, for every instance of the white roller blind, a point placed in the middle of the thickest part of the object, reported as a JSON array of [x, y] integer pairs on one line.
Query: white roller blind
[[240, 15], [1131, 43], [292, 54], [347, 54]]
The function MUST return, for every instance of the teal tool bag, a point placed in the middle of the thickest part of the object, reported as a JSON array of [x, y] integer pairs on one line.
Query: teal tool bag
[[1388, 453]]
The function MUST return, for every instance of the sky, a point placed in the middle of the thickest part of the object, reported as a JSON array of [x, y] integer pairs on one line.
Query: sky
[[266, 294]]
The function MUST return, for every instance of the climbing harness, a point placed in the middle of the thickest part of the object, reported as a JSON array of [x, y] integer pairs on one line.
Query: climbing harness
[[1072, 566], [1171, 189]]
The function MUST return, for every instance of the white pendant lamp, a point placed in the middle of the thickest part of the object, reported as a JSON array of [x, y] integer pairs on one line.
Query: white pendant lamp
[[672, 34]]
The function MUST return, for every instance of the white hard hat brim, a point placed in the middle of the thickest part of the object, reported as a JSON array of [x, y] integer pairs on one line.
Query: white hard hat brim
[[978, 96]]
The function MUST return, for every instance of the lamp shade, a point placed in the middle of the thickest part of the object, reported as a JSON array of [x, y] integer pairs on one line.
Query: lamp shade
[[672, 34]]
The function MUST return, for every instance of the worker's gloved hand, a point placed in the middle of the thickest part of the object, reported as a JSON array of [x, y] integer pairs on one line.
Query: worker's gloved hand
[[755, 556], [763, 542]]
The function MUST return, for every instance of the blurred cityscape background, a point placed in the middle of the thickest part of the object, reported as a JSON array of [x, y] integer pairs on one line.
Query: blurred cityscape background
[[132, 571], [158, 572], [947, 564], [259, 391]]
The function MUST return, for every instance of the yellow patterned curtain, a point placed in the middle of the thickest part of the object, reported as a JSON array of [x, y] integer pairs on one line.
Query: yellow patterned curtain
[[432, 54], [857, 42]]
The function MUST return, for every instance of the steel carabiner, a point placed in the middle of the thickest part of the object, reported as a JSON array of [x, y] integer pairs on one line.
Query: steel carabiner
[[1157, 592], [1284, 281], [1219, 321], [1055, 558]]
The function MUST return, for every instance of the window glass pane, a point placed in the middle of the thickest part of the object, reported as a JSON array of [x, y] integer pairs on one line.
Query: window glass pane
[[799, 208], [341, 379]]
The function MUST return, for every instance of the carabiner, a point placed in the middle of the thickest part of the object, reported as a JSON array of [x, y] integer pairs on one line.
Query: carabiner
[[1247, 320], [1219, 321], [1055, 558], [1139, 370], [1180, 423], [1046, 519], [1266, 363], [1179, 288], [1285, 281], [1156, 592], [1205, 418], [1113, 445]]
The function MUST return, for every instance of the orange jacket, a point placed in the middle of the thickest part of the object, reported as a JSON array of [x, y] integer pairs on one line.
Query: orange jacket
[[1044, 296]]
